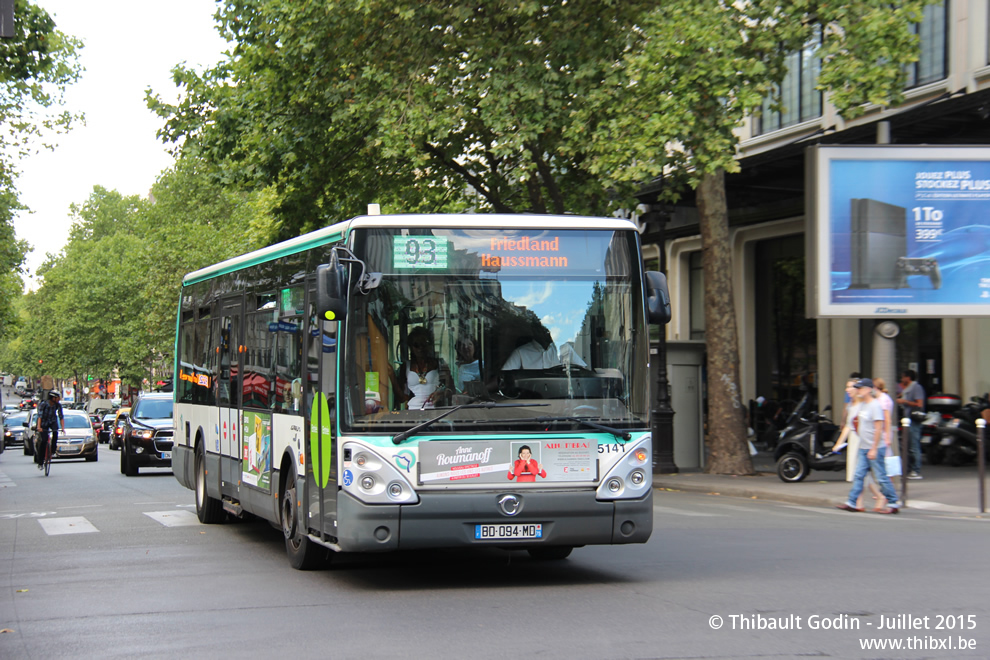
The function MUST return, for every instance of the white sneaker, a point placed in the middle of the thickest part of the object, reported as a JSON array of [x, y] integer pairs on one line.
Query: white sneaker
[[914, 475]]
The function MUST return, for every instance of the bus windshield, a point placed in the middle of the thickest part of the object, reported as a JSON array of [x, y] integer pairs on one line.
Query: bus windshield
[[552, 319]]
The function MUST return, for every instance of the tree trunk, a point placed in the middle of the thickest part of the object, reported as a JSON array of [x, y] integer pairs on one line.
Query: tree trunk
[[728, 451]]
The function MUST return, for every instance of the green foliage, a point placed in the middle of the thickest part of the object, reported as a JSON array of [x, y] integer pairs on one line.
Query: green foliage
[[107, 302], [681, 92], [506, 106], [36, 66], [419, 106], [39, 62]]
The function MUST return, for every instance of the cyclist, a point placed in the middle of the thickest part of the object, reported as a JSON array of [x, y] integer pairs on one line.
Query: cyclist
[[50, 417]]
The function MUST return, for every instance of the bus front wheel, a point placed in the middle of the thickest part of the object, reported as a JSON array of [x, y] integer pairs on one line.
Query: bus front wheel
[[208, 509], [304, 555]]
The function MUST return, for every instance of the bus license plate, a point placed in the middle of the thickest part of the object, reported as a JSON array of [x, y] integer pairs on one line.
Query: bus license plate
[[499, 532]]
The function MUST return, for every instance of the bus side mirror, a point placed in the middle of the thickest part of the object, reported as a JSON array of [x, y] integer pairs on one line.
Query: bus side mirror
[[657, 298], [331, 290]]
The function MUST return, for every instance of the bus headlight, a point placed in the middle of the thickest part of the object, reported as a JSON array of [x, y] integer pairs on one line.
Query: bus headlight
[[376, 480], [630, 477]]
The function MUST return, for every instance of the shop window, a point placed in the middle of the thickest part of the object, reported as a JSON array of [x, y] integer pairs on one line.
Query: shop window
[[799, 100], [696, 295], [932, 62], [786, 340]]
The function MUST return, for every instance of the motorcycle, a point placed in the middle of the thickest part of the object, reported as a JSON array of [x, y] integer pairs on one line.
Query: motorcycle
[[941, 408], [807, 443], [957, 437]]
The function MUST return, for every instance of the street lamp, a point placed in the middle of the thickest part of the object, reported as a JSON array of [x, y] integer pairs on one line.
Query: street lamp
[[661, 414]]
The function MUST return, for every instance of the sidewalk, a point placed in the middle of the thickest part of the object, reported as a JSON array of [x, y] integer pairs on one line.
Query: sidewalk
[[944, 489]]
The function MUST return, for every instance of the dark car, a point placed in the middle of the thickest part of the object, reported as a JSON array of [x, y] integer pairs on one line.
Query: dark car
[[105, 431], [148, 434], [13, 429]]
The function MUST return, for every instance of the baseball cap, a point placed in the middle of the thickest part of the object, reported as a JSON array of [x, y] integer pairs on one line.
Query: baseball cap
[[863, 382]]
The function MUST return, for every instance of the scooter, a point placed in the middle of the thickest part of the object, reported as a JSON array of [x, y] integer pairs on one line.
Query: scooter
[[957, 437], [941, 409], [807, 443]]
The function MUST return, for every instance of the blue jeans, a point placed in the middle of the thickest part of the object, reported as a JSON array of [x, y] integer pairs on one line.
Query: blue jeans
[[863, 465], [914, 446]]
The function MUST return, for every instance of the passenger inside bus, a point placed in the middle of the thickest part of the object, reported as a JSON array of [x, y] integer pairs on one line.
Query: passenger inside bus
[[468, 366], [425, 384], [531, 354]]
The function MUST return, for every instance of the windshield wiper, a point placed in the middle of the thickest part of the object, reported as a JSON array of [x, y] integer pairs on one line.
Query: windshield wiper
[[619, 433], [430, 422]]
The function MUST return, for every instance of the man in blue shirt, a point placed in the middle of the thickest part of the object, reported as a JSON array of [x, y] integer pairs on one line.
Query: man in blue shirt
[[912, 399]]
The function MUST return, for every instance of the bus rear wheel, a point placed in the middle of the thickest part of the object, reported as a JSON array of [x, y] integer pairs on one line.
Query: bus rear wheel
[[304, 555]]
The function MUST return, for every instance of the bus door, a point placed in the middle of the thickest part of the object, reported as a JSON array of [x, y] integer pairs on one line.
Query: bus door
[[229, 394], [320, 401]]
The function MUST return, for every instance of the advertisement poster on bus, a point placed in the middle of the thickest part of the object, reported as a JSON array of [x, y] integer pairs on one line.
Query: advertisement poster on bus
[[501, 462], [901, 231], [257, 450]]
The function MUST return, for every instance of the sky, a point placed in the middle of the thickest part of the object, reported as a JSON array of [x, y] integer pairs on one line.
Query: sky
[[129, 46]]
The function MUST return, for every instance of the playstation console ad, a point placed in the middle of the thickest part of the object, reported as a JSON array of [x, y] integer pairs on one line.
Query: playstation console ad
[[906, 237]]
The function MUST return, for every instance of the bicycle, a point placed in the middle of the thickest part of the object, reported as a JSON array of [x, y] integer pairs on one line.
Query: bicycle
[[46, 462]]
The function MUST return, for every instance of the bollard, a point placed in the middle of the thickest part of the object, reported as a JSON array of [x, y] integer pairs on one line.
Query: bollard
[[981, 426], [905, 440]]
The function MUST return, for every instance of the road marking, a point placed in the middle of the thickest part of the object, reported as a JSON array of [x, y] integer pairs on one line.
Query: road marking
[[681, 512], [173, 518], [72, 525], [33, 514], [5, 481]]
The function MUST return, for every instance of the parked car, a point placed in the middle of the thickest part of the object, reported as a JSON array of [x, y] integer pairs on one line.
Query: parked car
[[148, 434], [13, 429], [78, 440], [119, 421], [29, 425]]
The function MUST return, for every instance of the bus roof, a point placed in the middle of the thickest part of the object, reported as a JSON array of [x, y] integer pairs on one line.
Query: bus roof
[[338, 231]]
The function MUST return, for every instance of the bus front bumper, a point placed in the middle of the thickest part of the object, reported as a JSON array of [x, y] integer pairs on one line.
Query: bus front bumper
[[451, 519]]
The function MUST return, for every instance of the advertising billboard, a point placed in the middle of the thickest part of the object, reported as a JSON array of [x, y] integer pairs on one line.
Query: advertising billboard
[[898, 231]]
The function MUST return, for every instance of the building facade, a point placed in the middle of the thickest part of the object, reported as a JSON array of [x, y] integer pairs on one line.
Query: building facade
[[783, 351]]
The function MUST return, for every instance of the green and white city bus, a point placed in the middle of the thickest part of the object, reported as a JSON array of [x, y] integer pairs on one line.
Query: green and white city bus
[[424, 381]]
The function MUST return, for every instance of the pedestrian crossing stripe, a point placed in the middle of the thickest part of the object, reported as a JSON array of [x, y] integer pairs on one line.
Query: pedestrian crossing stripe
[[71, 525], [175, 518]]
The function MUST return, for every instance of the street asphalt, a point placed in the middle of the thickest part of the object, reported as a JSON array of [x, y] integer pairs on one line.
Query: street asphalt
[[944, 489]]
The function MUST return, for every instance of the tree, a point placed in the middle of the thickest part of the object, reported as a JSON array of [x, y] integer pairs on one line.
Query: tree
[[672, 108], [107, 301], [36, 66], [419, 105]]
